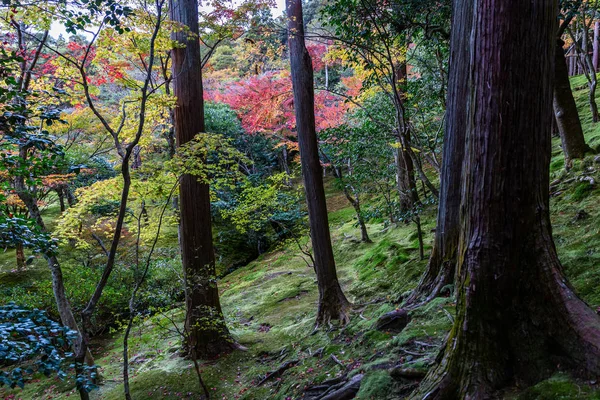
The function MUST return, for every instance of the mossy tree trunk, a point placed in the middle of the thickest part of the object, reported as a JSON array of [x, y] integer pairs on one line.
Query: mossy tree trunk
[[207, 334], [517, 317], [333, 304], [442, 262]]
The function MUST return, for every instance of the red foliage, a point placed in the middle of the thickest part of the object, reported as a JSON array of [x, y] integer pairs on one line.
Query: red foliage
[[265, 104], [317, 52]]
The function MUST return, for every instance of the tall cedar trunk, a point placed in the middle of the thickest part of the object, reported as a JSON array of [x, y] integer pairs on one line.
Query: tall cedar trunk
[[333, 304], [442, 262], [517, 317], [20, 254], [565, 110], [207, 334]]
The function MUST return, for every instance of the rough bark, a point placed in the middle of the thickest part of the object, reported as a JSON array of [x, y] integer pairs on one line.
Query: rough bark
[[333, 304], [565, 110], [207, 334], [442, 262], [517, 317]]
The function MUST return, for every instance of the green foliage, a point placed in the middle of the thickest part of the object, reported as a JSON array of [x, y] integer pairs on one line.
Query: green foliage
[[211, 158], [272, 202], [34, 342], [19, 230]]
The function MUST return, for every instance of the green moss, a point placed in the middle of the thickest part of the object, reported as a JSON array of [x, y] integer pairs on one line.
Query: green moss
[[582, 190], [431, 321], [376, 385], [559, 387]]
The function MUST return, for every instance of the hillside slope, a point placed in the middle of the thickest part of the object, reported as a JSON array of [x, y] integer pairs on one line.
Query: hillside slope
[[270, 306]]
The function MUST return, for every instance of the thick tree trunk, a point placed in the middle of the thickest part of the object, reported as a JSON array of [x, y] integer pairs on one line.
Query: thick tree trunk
[[208, 335], [442, 262], [20, 254], [333, 304], [565, 110], [517, 317]]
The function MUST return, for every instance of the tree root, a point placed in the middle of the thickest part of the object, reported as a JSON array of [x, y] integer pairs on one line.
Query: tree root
[[278, 372]]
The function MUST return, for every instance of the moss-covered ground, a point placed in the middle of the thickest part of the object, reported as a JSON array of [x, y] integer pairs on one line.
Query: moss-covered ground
[[270, 307]]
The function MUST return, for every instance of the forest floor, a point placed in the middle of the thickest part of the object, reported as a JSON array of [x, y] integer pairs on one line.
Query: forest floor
[[270, 307]]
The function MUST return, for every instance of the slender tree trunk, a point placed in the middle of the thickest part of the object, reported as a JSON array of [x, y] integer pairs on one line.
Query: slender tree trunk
[[137, 158], [61, 198], [405, 178], [442, 262], [355, 202], [285, 163], [590, 72], [71, 200], [20, 254], [354, 199], [517, 317], [364, 234], [592, 98], [333, 304], [208, 335], [596, 45], [171, 144], [405, 165], [58, 287], [565, 110]]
